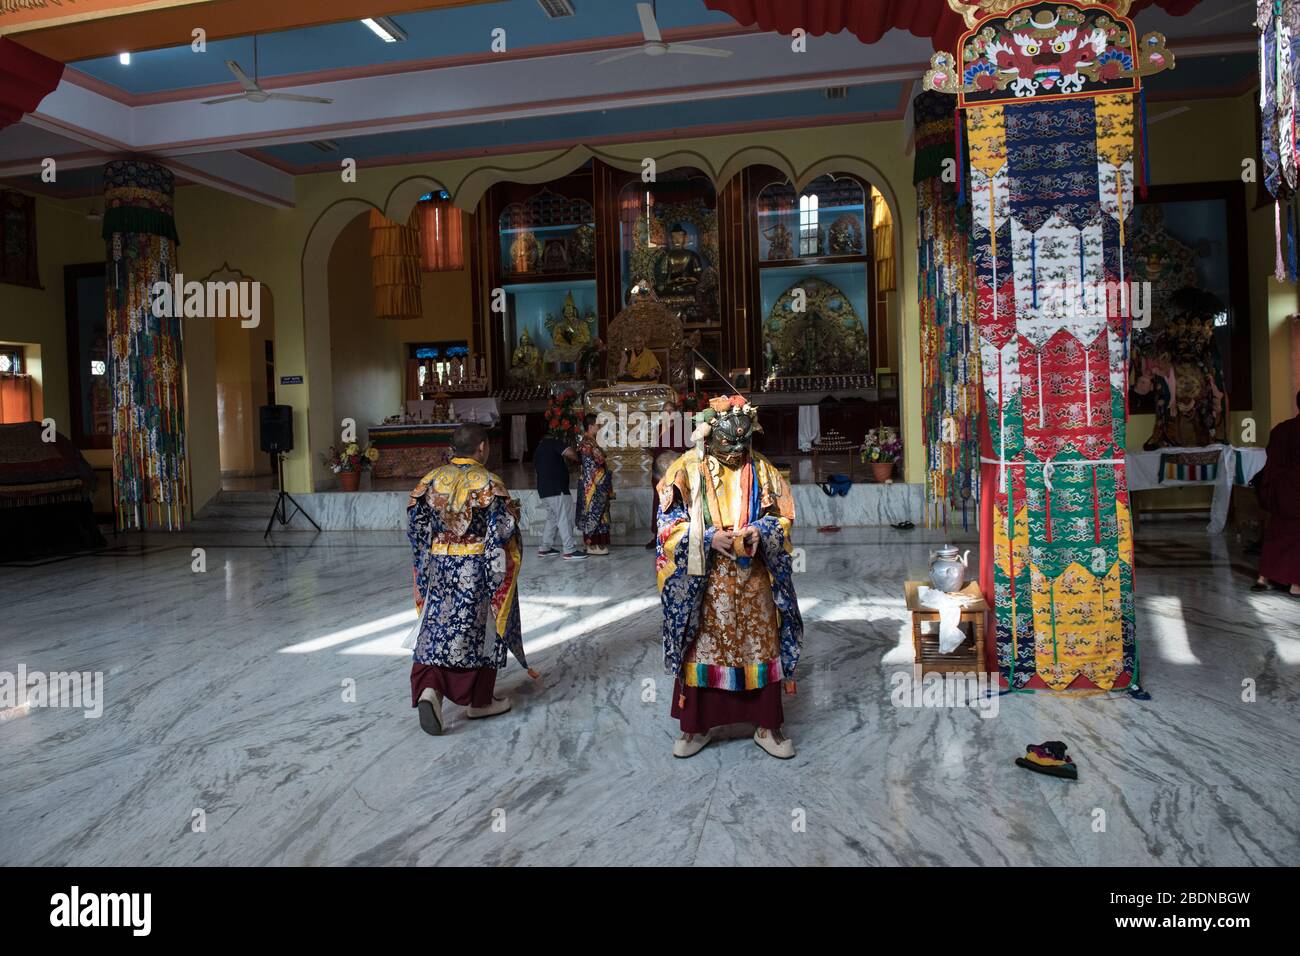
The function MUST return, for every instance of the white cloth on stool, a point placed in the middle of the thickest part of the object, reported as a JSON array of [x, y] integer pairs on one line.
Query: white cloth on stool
[[810, 426], [949, 607], [518, 436]]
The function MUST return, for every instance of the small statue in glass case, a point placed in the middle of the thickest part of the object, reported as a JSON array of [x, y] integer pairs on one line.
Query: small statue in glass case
[[780, 243]]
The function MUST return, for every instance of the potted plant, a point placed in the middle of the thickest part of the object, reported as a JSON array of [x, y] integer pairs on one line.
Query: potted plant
[[881, 449], [350, 462]]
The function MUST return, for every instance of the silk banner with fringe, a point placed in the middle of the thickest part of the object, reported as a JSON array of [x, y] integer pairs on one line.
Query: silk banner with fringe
[[950, 365]]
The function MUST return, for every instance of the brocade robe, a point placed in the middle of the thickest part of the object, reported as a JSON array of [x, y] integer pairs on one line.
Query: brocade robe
[[466, 551], [597, 485], [736, 626]]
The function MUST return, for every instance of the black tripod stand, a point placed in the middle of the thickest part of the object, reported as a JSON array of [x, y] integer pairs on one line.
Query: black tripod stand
[[281, 510]]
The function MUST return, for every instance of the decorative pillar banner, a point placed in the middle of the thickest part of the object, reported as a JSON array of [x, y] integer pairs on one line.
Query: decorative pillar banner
[[395, 272], [1279, 89], [1049, 92], [950, 365], [145, 351]]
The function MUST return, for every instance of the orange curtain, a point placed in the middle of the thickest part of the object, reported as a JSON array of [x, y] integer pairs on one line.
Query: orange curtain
[[395, 266], [442, 238], [15, 399]]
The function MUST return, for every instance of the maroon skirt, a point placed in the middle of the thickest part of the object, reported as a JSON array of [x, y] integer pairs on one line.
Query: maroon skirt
[[467, 686], [1280, 559], [709, 707]]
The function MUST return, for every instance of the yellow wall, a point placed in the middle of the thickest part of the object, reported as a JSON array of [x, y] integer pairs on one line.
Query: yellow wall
[[240, 356], [368, 355]]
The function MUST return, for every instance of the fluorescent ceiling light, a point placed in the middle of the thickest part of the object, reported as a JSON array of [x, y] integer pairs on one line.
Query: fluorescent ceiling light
[[124, 59], [385, 29]]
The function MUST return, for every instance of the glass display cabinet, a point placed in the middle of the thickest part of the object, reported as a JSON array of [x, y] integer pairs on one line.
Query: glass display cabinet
[[544, 262], [815, 284]]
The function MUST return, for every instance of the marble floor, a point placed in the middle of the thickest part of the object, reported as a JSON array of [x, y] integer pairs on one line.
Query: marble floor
[[258, 712]]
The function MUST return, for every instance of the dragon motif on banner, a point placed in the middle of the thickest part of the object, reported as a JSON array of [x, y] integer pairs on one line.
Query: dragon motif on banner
[[1048, 51]]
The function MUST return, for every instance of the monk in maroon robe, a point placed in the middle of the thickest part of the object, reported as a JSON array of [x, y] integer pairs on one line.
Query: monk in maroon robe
[[1279, 493]]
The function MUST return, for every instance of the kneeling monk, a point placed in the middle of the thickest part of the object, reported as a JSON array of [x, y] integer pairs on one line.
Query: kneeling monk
[[463, 528], [732, 629]]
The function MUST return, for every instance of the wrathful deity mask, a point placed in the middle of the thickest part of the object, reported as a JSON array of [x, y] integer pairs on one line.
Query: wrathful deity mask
[[731, 436]]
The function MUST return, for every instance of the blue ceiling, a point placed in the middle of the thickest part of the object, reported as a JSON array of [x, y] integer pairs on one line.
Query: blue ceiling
[[802, 106], [446, 32]]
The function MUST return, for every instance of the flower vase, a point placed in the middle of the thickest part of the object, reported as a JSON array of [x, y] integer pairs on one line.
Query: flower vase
[[349, 480], [882, 471]]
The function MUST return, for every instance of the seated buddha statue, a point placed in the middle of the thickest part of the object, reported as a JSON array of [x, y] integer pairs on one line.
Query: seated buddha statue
[[571, 333], [525, 361], [678, 272]]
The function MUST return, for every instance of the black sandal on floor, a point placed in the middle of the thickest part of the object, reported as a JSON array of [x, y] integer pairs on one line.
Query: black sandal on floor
[[1259, 587]]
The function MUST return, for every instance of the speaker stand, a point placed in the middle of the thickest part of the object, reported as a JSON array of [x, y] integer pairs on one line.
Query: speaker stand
[[281, 512]]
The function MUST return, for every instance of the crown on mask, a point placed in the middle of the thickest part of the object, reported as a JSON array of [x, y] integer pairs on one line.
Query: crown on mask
[[718, 408]]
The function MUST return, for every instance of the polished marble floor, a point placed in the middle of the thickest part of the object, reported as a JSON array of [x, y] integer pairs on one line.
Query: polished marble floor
[[258, 712]]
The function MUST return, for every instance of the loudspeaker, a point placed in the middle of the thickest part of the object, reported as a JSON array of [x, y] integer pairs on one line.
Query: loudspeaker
[[276, 428]]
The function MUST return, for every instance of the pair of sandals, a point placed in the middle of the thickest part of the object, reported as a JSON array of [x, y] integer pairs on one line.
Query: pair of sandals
[[771, 741]]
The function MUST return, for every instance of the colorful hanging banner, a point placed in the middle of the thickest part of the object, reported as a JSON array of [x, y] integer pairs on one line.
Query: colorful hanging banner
[[950, 367], [146, 358], [1278, 22], [1052, 154]]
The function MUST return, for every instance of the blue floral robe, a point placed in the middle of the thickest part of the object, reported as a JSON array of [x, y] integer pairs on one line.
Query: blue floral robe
[[464, 534], [596, 490]]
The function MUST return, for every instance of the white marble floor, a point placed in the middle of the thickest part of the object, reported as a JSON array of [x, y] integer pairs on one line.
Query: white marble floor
[[226, 736]]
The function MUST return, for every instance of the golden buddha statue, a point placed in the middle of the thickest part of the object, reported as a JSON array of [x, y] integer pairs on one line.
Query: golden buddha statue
[[570, 333], [678, 270], [525, 362]]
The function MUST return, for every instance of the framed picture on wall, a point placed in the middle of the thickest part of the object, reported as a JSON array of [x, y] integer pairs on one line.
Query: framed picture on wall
[[1191, 235]]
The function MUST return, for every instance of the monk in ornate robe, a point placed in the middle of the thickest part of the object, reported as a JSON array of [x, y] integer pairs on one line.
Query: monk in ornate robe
[[1279, 493], [464, 532], [732, 630], [595, 491]]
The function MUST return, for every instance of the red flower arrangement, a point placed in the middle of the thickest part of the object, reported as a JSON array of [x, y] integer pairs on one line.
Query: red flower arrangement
[[564, 415]]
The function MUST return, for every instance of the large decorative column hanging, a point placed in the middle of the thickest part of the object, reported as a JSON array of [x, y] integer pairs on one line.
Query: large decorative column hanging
[[146, 357], [950, 367], [395, 272], [1049, 93], [1279, 92]]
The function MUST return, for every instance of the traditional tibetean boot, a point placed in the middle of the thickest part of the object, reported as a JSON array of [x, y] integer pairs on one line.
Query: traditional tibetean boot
[[1049, 758], [782, 748], [499, 705], [430, 708], [688, 745]]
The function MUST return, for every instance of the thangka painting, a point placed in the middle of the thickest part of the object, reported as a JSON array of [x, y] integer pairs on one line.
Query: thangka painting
[[1052, 154]]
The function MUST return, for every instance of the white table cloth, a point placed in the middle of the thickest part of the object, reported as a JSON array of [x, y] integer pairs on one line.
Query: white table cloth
[[1143, 469]]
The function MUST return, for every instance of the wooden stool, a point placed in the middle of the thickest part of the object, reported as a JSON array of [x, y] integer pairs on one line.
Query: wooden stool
[[926, 646]]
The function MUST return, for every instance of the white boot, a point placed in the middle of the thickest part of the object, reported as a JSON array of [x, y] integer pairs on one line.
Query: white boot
[[779, 747], [688, 745], [499, 705], [430, 708]]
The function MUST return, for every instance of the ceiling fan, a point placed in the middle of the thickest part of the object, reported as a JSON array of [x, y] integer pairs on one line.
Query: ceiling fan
[[253, 91], [654, 44]]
